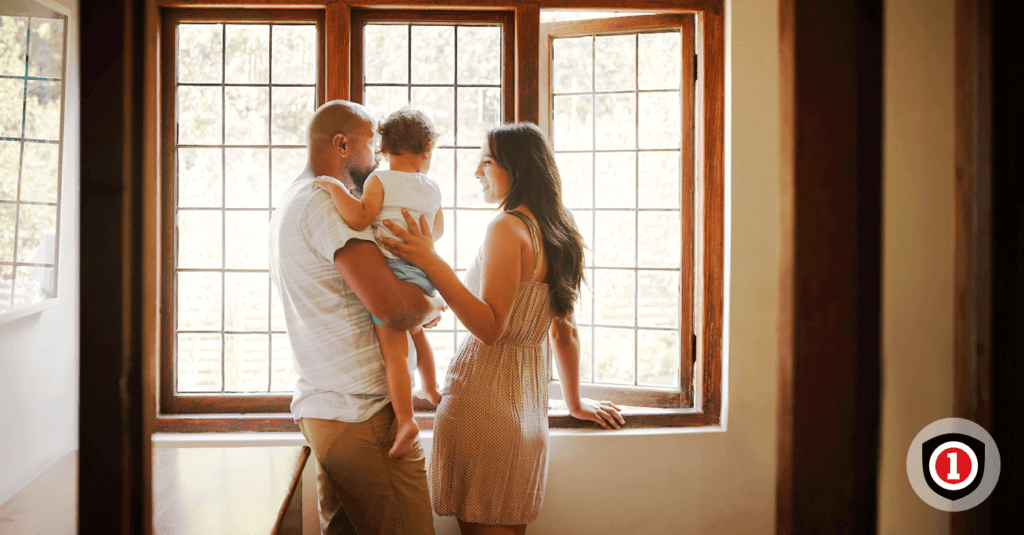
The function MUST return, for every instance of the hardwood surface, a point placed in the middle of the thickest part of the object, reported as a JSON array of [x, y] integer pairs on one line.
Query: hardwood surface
[[48, 505]]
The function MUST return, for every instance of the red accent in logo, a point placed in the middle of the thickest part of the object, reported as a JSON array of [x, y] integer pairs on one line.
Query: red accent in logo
[[953, 465]]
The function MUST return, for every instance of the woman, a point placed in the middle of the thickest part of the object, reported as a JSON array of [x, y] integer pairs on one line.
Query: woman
[[489, 461]]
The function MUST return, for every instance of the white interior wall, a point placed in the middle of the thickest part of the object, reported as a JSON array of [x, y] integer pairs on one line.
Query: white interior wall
[[39, 353]]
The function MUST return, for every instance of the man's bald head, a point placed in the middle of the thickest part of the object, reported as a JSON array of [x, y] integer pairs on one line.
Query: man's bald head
[[336, 117]]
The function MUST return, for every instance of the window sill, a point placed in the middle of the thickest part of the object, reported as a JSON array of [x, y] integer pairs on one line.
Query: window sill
[[18, 313]]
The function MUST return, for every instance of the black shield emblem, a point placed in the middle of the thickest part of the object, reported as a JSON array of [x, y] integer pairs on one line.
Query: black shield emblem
[[928, 448]]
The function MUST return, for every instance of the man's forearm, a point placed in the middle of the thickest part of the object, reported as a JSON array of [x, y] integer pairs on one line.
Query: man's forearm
[[400, 305]]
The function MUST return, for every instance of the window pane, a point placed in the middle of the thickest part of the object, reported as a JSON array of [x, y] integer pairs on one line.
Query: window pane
[[584, 304], [285, 166], [660, 60], [586, 354], [472, 228], [439, 104], [39, 172], [12, 103], [442, 169], [615, 293], [576, 172], [433, 54], [573, 123], [616, 179], [383, 100], [246, 239], [199, 301], [199, 53], [658, 358], [248, 54], [443, 344], [13, 33], [6, 286], [282, 369], [42, 110], [294, 54], [585, 222], [445, 247], [32, 285], [385, 56], [479, 55], [659, 113], [246, 362], [614, 359], [479, 110], [246, 302], [246, 115], [199, 362], [660, 177], [572, 65], [247, 178], [615, 58], [616, 121], [660, 239], [659, 299], [46, 48], [199, 115], [8, 218], [37, 228], [10, 154], [199, 178], [199, 239], [469, 191], [616, 238], [292, 107]]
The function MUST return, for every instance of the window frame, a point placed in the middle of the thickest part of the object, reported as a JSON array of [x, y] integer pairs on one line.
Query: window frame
[[270, 413]]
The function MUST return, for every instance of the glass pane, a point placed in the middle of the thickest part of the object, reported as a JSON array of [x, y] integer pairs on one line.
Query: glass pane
[[660, 178], [246, 239], [199, 178], [616, 121], [199, 301], [282, 366], [614, 360], [472, 228], [615, 62], [6, 286], [572, 65], [12, 104], [285, 165], [199, 53], [39, 172], [247, 178], [658, 358], [246, 362], [433, 54], [386, 53], [616, 179], [382, 101], [277, 321], [659, 113], [585, 303], [660, 57], [615, 294], [199, 239], [442, 169], [37, 230], [585, 222], [246, 115], [573, 123], [468, 187], [10, 154], [439, 104], [8, 218], [479, 55], [246, 301], [294, 54], [659, 299], [292, 107], [46, 48], [586, 355], [13, 33], [660, 239], [32, 285], [199, 363], [443, 344], [479, 111], [576, 172], [42, 110], [445, 247], [616, 238], [199, 115], [248, 54]]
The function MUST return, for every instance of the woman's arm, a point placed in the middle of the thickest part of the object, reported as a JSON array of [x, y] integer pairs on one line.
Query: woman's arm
[[566, 341], [485, 316], [357, 213]]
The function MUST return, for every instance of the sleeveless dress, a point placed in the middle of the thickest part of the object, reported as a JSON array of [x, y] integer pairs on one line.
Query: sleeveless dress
[[489, 462]]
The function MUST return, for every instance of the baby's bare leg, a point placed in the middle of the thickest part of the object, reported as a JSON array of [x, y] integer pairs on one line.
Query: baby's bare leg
[[425, 363], [394, 346]]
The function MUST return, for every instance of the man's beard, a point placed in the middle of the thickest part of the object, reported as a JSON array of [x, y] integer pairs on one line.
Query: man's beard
[[358, 175]]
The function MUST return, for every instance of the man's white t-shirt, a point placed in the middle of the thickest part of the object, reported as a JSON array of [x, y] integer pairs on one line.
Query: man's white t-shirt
[[338, 360]]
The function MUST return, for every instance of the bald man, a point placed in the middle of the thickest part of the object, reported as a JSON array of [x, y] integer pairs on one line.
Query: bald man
[[331, 278]]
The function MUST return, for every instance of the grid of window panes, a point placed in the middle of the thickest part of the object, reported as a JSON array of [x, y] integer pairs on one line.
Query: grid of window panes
[[453, 74], [615, 127], [31, 91], [245, 93]]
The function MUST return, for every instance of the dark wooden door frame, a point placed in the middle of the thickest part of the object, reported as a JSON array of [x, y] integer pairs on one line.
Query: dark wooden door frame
[[830, 266]]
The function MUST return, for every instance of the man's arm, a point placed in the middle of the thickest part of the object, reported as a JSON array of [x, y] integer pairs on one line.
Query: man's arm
[[399, 304]]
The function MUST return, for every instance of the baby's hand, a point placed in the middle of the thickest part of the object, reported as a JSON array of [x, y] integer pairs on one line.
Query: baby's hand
[[324, 184]]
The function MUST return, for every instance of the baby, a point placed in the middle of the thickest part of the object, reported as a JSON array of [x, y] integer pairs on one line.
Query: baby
[[407, 141]]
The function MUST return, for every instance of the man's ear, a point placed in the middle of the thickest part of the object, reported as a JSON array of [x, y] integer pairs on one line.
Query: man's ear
[[340, 144]]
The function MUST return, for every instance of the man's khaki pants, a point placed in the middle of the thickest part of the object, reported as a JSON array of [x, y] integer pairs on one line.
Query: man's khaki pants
[[357, 482]]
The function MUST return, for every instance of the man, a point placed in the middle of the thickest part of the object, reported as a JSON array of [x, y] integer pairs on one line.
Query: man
[[331, 279]]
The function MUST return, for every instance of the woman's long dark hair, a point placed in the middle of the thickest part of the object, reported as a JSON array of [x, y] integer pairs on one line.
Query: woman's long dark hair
[[524, 152]]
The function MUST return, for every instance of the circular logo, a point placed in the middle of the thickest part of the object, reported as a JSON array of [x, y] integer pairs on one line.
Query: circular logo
[[953, 464]]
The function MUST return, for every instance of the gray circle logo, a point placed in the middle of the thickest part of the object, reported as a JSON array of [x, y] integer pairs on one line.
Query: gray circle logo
[[953, 464]]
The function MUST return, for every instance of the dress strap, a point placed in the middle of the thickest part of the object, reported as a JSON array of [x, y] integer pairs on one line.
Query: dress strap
[[533, 238]]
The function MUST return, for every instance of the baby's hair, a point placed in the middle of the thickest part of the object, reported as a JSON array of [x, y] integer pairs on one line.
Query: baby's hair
[[407, 130]]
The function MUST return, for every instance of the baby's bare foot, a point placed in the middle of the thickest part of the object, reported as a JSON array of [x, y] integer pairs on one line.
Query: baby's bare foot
[[403, 441]]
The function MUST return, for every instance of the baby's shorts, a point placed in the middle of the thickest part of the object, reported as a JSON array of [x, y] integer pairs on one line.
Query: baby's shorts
[[409, 273]]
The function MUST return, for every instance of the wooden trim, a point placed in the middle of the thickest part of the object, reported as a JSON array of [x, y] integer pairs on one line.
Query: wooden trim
[[667, 6], [830, 268], [687, 126], [216, 403], [185, 15], [527, 56], [338, 31], [655, 397], [617, 25]]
